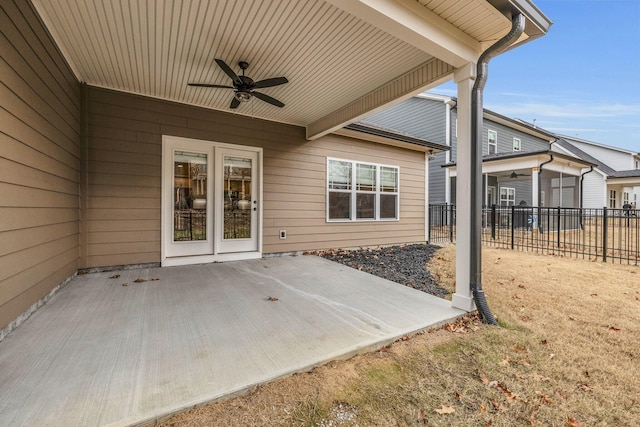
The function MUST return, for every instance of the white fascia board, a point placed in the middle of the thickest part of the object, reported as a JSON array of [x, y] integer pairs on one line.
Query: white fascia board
[[414, 24]]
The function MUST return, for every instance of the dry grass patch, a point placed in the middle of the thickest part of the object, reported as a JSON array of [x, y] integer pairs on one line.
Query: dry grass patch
[[567, 355]]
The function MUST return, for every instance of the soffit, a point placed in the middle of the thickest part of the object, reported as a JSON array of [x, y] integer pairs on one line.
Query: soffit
[[331, 57]]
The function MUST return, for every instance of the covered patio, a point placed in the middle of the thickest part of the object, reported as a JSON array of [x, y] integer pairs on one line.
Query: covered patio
[[102, 353]]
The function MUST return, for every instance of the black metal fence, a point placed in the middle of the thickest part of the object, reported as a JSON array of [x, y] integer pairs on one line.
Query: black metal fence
[[612, 235]]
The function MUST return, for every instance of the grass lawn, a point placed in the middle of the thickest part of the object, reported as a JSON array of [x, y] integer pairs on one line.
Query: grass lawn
[[567, 354]]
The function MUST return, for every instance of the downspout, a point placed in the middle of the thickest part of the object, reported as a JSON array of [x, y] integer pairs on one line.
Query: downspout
[[540, 190], [582, 196], [475, 267], [581, 181]]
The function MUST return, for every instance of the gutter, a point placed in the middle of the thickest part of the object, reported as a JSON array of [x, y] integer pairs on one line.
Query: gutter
[[475, 267]]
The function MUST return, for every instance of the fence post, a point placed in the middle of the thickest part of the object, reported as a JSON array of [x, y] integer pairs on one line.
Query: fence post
[[429, 212], [558, 228], [450, 207], [493, 222], [513, 217], [605, 233]]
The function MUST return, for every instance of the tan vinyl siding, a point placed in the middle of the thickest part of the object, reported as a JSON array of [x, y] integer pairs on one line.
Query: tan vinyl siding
[[124, 197], [39, 163]]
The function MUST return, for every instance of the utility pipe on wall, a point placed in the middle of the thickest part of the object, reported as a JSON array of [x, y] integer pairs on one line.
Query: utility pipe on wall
[[475, 268]]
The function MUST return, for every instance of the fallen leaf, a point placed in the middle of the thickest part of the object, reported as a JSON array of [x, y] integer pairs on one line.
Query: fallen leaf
[[594, 295], [497, 406], [445, 410], [484, 378], [421, 418], [521, 377], [518, 349], [543, 342], [139, 280], [613, 328], [546, 399], [483, 409], [572, 422], [155, 279], [505, 361], [508, 394], [115, 276], [125, 284], [585, 387], [272, 299], [457, 396], [539, 377]]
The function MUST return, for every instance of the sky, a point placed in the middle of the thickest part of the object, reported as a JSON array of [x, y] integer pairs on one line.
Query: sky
[[581, 79]]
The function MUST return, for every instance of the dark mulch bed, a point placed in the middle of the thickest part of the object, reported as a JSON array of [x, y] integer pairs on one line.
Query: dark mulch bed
[[404, 264]]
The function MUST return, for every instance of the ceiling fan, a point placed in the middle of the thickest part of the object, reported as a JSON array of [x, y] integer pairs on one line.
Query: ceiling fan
[[244, 85], [514, 175]]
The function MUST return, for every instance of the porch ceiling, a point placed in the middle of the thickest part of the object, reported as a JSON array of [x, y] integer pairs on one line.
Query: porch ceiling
[[343, 58]]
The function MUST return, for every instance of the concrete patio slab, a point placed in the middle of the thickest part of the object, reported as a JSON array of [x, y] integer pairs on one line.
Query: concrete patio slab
[[100, 353]]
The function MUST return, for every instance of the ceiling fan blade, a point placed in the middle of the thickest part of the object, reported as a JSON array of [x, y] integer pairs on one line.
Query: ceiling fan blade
[[234, 103], [210, 85], [267, 98], [271, 82], [228, 71]]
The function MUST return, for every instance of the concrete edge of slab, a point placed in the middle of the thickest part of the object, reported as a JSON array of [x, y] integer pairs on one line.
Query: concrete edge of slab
[[347, 354]]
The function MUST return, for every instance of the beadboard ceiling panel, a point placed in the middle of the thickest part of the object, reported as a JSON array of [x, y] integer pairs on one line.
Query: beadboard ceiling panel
[[331, 58]]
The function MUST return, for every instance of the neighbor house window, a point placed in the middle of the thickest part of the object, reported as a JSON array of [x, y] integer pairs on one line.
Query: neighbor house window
[[625, 198], [612, 199], [517, 144], [493, 142], [507, 196], [358, 191]]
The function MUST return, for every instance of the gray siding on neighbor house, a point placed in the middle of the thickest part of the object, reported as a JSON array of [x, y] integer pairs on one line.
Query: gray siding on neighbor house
[[423, 118], [125, 151], [523, 190], [39, 162], [505, 138], [437, 180], [420, 117]]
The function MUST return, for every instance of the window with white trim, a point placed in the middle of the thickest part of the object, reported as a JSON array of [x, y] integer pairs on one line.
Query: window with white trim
[[359, 191], [492, 139], [507, 196], [517, 144], [625, 198], [612, 199]]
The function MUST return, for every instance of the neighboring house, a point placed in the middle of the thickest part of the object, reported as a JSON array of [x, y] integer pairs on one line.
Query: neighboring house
[[519, 163], [615, 181], [109, 159]]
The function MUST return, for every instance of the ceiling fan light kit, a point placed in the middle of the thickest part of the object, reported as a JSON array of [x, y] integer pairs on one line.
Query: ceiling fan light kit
[[244, 86]]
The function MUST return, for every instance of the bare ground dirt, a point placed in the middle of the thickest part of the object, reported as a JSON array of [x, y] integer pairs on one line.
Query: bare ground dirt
[[567, 354]]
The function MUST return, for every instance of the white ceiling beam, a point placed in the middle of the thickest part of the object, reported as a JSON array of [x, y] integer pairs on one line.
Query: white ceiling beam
[[416, 25], [416, 81]]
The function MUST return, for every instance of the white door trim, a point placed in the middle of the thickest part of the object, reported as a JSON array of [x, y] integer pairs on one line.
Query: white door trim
[[169, 258]]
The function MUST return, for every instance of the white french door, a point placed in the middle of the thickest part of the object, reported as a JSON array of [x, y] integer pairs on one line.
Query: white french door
[[237, 200], [210, 201]]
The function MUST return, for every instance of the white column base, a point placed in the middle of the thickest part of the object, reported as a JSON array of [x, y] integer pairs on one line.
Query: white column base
[[463, 302]]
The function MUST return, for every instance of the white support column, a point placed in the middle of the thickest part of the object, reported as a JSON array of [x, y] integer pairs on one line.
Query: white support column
[[535, 194], [426, 197], [463, 297]]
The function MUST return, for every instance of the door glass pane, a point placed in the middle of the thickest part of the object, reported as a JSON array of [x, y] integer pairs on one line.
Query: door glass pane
[[238, 204], [189, 196]]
